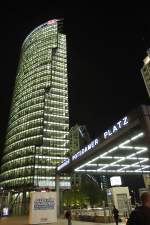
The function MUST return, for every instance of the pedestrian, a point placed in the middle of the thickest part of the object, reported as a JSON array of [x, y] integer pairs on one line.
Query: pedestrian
[[141, 215], [68, 215], [116, 215]]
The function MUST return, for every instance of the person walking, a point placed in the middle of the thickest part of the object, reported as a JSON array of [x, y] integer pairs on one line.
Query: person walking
[[68, 216], [141, 215], [116, 215]]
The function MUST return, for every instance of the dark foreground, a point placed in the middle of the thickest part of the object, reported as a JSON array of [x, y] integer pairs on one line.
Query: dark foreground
[[23, 220]]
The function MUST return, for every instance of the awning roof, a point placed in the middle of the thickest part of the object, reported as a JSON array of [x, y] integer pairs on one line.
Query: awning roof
[[129, 156], [124, 148]]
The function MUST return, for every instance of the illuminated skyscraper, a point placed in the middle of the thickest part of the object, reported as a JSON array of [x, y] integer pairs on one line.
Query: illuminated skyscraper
[[146, 72], [37, 135]]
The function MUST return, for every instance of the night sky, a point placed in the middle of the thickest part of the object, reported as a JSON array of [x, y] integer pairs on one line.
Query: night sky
[[105, 53]]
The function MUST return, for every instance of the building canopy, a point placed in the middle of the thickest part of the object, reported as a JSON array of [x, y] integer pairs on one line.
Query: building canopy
[[123, 148]]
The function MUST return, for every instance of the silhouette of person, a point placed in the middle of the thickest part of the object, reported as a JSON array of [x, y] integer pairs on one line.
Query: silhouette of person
[[116, 215], [141, 215], [68, 215]]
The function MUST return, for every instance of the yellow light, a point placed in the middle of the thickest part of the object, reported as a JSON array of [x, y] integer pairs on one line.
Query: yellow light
[[146, 60]]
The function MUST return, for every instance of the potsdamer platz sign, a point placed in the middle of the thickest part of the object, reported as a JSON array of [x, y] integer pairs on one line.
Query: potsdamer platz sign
[[123, 148]]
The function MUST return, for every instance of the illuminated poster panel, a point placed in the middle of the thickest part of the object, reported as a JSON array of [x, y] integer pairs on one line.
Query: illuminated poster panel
[[43, 208]]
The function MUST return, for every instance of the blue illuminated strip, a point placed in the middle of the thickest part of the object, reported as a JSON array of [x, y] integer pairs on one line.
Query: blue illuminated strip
[[65, 163]]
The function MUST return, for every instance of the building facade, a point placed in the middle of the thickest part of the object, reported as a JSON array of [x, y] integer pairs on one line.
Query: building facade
[[37, 134], [146, 71]]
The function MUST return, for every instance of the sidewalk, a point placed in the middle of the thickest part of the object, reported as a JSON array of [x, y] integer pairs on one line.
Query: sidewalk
[[22, 220]]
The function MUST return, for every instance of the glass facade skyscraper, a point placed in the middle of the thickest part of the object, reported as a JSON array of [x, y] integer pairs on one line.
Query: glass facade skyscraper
[[37, 135], [146, 72]]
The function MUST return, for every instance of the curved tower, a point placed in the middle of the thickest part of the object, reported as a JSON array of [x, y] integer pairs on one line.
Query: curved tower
[[37, 135], [145, 70]]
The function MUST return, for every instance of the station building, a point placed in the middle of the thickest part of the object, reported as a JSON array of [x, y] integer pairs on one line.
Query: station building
[[122, 149]]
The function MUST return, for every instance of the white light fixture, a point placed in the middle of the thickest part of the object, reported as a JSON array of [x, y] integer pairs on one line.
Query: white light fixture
[[103, 168], [115, 181]]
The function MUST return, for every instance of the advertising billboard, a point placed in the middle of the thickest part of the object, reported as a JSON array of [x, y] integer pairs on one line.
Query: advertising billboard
[[43, 208]]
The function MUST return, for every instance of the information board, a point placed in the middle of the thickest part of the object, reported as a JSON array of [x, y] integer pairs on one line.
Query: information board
[[43, 208]]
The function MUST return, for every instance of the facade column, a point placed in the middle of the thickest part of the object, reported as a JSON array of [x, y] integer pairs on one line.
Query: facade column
[[24, 203], [58, 194]]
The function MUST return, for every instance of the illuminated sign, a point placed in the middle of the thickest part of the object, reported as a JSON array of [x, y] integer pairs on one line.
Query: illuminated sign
[[51, 21], [122, 123], [85, 149], [65, 163], [115, 181]]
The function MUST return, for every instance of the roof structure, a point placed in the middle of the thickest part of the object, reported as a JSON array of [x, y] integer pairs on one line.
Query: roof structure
[[123, 148]]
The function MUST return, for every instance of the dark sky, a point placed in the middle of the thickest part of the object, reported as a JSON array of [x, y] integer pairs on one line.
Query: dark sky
[[105, 53]]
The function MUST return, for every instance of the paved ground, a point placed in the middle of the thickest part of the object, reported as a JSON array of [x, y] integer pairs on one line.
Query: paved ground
[[24, 221]]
